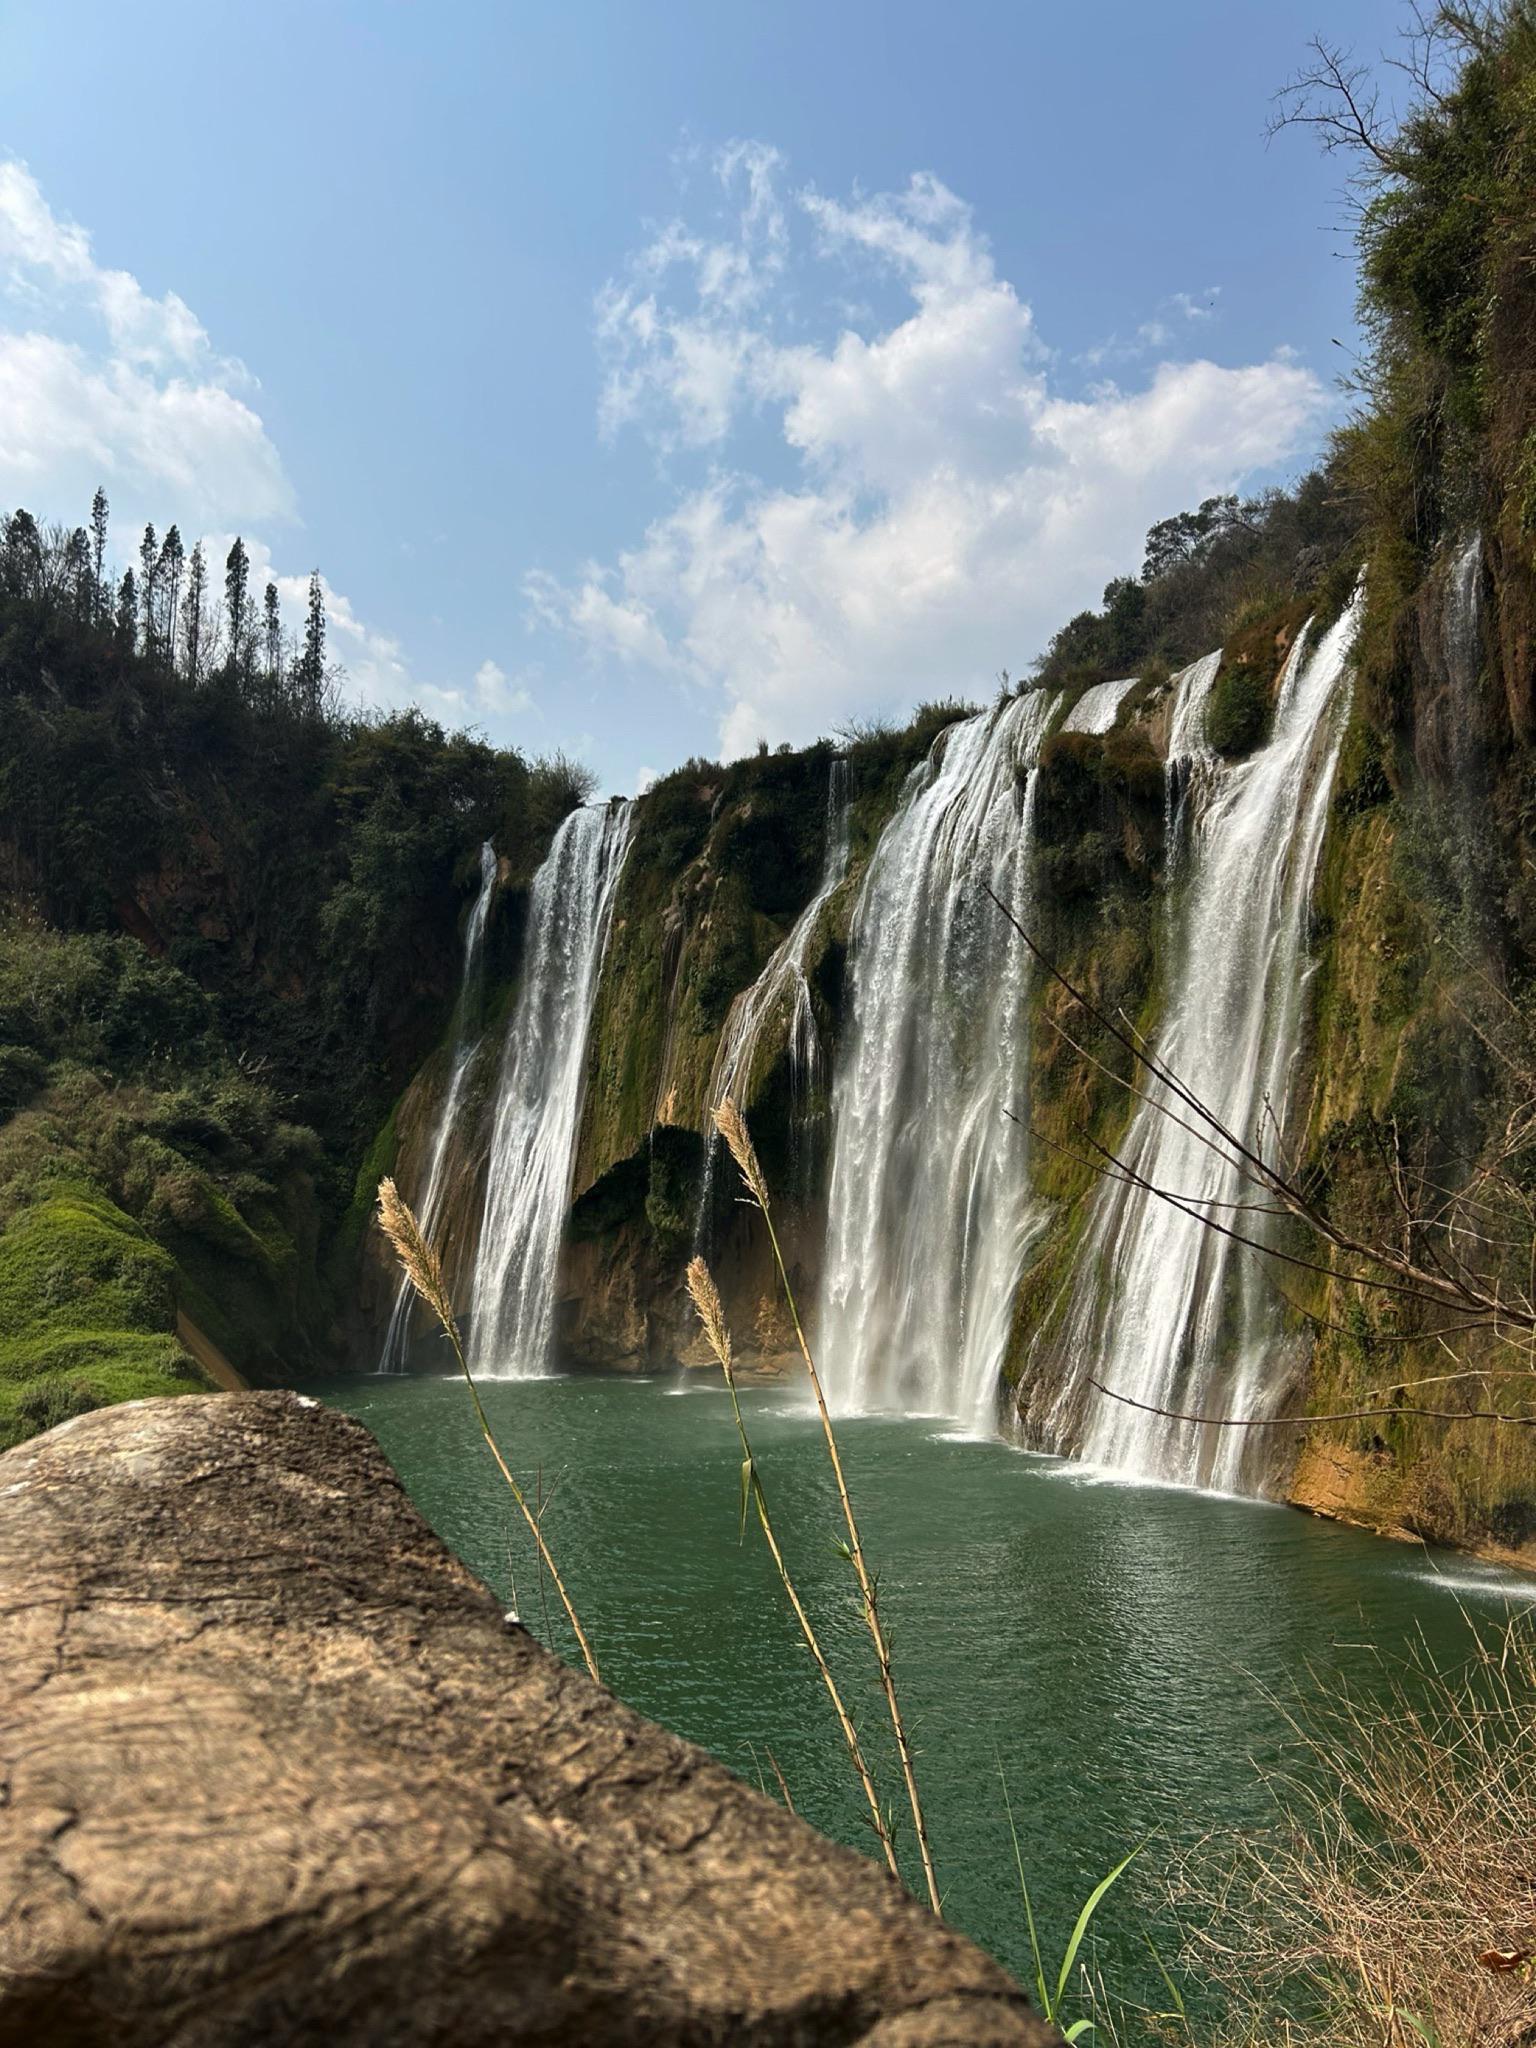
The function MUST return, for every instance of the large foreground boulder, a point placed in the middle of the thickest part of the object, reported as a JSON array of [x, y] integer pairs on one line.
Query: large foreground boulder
[[278, 1771]]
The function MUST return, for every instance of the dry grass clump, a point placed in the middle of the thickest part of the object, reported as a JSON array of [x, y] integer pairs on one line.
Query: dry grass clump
[[423, 1267], [1393, 1904], [732, 1126], [706, 1300]]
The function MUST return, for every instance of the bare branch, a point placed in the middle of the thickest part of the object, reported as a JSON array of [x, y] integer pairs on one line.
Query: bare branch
[[1336, 97], [1306, 1421]]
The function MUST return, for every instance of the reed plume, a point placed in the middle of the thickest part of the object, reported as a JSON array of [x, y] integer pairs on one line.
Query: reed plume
[[732, 1126], [423, 1267], [706, 1300]]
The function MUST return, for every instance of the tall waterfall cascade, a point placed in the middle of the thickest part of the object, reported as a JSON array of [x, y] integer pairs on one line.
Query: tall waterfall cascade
[[466, 1040], [780, 998], [929, 1212], [1163, 1309], [539, 1098]]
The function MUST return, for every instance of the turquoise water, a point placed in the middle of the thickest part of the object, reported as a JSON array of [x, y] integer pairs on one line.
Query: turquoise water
[[1123, 1650]]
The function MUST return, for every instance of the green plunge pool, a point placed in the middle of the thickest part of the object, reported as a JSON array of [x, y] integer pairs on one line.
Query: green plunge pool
[[1122, 1651]]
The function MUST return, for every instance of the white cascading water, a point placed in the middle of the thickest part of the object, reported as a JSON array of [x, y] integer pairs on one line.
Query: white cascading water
[[780, 996], [538, 1107], [929, 1212], [1098, 707], [465, 1044], [1163, 1309]]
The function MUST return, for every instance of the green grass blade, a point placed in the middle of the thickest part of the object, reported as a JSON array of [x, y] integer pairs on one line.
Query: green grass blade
[[1090, 1906], [1029, 1912], [1168, 1984]]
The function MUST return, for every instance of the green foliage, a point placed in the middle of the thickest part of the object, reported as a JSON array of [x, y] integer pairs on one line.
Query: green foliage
[[1052, 1991], [86, 1305], [668, 1200], [305, 868], [676, 813], [378, 1163], [765, 844], [1239, 711], [149, 1167], [1446, 295], [1204, 571], [1098, 816]]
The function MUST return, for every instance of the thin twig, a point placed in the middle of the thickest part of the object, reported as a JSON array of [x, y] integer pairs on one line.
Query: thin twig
[[1306, 1421]]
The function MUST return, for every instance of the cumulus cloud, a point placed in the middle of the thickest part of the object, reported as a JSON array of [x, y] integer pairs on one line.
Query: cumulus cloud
[[693, 365], [943, 506], [101, 382], [497, 694]]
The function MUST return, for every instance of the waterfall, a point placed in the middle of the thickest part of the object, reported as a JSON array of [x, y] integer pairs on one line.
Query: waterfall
[[781, 994], [538, 1106], [1163, 1309], [1098, 707], [929, 1213], [465, 1043], [1462, 738]]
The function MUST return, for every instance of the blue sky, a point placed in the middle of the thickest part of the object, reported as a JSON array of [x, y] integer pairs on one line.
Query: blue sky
[[648, 381]]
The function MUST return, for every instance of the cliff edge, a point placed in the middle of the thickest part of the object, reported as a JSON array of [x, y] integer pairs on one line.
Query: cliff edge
[[278, 1769]]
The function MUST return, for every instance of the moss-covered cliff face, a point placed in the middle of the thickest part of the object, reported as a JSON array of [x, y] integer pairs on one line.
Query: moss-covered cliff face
[[1420, 1058], [723, 862]]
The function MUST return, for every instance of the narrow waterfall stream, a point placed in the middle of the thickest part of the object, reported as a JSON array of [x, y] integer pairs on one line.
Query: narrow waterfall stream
[[466, 1039], [929, 1209], [538, 1107], [1163, 1309], [781, 994]]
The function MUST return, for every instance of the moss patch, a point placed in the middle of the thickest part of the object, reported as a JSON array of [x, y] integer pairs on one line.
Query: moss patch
[[1239, 713], [87, 1304]]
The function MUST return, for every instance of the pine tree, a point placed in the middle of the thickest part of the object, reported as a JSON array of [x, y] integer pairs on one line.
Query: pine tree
[[127, 610], [23, 555], [149, 563], [311, 672], [272, 629], [77, 574], [237, 604], [168, 571], [99, 552], [192, 637]]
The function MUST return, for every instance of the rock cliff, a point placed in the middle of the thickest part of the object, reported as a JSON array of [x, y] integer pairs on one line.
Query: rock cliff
[[278, 1770]]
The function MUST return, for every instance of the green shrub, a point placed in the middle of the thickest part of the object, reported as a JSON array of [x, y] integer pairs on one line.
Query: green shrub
[[1239, 711], [22, 1073]]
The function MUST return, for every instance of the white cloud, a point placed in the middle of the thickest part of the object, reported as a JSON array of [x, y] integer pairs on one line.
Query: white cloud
[[69, 421], [944, 506], [100, 382], [695, 365], [497, 694]]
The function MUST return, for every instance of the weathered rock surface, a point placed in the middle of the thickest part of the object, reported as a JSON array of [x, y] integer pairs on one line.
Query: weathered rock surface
[[277, 1771]]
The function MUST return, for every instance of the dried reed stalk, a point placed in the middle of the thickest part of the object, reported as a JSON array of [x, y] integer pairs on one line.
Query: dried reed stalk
[[732, 1126], [706, 1300], [423, 1267]]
